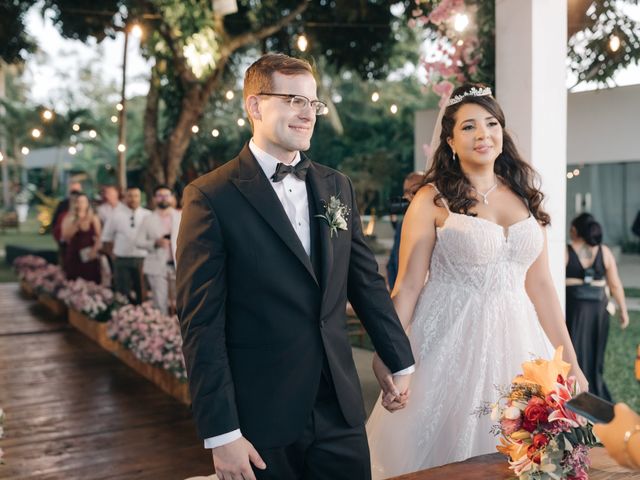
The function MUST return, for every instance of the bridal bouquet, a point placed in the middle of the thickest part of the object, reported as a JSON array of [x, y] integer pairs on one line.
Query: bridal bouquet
[[543, 439]]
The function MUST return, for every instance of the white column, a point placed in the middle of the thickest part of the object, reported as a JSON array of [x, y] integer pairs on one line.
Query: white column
[[531, 53]]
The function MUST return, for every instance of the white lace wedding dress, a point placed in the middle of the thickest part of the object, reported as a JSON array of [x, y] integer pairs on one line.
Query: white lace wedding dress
[[472, 328]]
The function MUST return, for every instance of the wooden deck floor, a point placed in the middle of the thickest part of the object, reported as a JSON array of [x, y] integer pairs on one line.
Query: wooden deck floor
[[73, 411]]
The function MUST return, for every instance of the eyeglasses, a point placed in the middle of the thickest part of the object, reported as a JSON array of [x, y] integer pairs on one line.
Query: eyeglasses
[[300, 102]]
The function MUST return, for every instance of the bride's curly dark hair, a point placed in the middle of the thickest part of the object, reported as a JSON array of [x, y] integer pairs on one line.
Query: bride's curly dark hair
[[445, 172]]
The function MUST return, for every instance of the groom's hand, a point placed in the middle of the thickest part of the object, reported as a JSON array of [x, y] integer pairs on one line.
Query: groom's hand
[[394, 393], [233, 460]]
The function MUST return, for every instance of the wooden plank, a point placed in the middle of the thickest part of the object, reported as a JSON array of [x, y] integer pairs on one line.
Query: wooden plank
[[73, 411]]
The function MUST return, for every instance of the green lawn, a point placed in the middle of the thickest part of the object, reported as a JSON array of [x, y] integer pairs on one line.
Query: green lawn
[[28, 236], [620, 360], [632, 292]]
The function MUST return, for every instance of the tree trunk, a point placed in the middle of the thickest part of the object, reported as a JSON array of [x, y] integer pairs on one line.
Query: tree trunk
[[153, 146]]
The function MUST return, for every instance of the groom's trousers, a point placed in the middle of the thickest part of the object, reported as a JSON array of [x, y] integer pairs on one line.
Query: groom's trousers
[[327, 449]]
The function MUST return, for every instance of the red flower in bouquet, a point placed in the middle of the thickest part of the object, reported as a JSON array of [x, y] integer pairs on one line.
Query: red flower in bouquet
[[537, 412], [540, 440], [534, 454]]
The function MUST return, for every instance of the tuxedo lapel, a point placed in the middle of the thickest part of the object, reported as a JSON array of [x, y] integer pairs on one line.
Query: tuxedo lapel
[[255, 187], [322, 186]]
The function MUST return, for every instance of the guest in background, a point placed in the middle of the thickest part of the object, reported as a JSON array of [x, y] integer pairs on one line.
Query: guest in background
[[61, 210], [81, 233], [154, 236], [409, 187], [110, 203], [621, 436], [590, 268], [119, 237]]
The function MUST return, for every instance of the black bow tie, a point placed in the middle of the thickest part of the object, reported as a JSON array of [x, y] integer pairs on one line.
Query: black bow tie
[[299, 170]]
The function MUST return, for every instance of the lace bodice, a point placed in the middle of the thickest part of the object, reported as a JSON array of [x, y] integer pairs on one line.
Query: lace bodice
[[480, 255]]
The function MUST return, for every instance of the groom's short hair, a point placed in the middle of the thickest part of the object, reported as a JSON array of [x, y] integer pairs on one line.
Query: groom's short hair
[[259, 76]]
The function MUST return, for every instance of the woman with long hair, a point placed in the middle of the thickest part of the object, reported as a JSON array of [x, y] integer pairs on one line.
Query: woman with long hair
[[81, 232], [590, 268], [476, 229]]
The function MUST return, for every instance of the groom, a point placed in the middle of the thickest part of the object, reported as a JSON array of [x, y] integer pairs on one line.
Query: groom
[[270, 248]]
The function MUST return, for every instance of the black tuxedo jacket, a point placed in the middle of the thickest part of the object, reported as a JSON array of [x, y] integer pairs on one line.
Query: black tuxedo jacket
[[258, 319]]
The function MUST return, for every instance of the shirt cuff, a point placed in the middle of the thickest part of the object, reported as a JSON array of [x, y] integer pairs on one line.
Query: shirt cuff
[[406, 371], [220, 440]]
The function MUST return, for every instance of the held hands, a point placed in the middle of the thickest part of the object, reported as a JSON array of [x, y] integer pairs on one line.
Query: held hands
[[395, 390], [612, 434], [233, 460]]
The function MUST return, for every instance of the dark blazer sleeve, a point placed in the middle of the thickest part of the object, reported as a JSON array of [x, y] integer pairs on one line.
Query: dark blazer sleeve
[[201, 295], [370, 299]]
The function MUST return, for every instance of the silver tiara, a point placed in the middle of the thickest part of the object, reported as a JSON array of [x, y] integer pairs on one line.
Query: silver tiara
[[474, 92]]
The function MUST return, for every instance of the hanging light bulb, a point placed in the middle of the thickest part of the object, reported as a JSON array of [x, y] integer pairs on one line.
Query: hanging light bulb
[[394, 109], [35, 133], [93, 133], [241, 122], [195, 129], [75, 127], [114, 119], [25, 150], [215, 132], [614, 43], [122, 147], [303, 43], [47, 114], [229, 95], [375, 96], [72, 150], [576, 172], [460, 22], [570, 175], [136, 31], [119, 107]]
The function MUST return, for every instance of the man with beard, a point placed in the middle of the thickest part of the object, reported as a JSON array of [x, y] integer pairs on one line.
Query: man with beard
[[154, 236]]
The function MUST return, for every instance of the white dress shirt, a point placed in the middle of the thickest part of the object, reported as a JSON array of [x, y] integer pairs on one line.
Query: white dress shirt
[[106, 211], [122, 229], [292, 193]]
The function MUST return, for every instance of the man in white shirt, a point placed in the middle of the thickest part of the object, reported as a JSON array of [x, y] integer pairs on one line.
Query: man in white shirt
[[270, 247], [119, 239], [110, 204], [154, 236]]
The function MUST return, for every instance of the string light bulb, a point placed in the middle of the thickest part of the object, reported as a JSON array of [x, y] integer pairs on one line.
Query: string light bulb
[[25, 150], [75, 127], [35, 133], [215, 133], [460, 22], [119, 107], [229, 95], [114, 119], [614, 43], [195, 129], [570, 175], [136, 31], [73, 150], [93, 133], [47, 114], [302, 43], [241, 122], [122, 148], [576, 172], [394, 109], [375, 96]]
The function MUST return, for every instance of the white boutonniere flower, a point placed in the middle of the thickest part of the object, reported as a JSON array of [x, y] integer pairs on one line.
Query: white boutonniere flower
[[335, 214]]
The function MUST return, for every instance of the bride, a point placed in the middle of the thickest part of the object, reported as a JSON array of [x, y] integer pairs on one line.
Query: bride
[[477, 228]]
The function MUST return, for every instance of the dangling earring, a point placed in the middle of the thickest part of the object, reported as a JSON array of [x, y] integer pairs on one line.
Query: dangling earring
[[454, 156]]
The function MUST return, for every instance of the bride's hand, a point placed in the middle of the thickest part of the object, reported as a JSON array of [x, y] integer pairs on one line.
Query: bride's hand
[[581, 379]]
